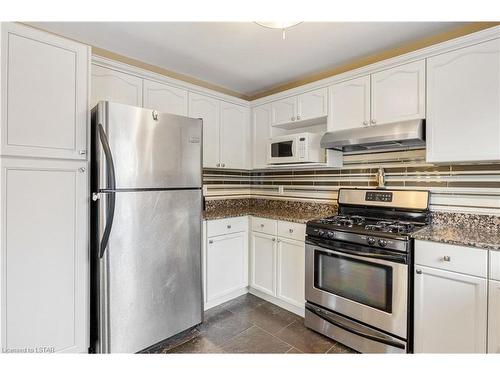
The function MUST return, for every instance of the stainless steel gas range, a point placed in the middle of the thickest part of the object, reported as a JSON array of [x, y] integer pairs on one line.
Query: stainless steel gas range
[[359, 269]]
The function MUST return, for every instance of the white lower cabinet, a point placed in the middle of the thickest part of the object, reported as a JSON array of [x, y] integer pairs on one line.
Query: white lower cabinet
[[291, 271], [44, 255], [494, 316], [225, 261], [450, 312], [263, 262]]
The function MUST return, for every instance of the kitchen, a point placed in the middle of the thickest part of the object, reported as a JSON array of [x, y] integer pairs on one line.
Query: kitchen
[[148, 211]]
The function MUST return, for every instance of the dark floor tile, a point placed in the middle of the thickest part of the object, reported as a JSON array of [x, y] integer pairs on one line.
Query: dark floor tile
[[174, 341], [294, 351], [223, 326], [304, 339], [338, 348], [269, 317], [199, 344], [243, 303], [255, 340]]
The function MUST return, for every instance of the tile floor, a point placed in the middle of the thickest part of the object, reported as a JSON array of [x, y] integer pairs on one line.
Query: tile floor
[[248, 324]]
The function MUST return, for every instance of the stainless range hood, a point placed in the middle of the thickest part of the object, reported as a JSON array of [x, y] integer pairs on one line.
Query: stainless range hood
[[379, 137]]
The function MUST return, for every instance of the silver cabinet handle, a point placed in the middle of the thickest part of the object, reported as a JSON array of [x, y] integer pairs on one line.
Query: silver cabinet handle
[[290, 230], [298, 117], [223, 165], [293, 118], [446, 258], [262, 225], [419, 272], [374, 122], [279, 240], [274, 239], [82, 169], [210, 241], [218, 165], [82, 152], [229, 227], [365, 122]]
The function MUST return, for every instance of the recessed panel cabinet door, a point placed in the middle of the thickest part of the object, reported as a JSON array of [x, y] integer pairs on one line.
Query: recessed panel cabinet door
[[44, 255], [349, 104], [226, 264], [284, 110], [115, 86], [450, 312], [208, 109], [263, 261], [398, 94], [261, 134], [165, 98], [463, 104], [234, 136], [44, 94], [291, 279], [494, 317], [312, 104]]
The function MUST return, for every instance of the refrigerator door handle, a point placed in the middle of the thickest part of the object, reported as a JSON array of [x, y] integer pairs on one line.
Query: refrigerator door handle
[[111, 186]]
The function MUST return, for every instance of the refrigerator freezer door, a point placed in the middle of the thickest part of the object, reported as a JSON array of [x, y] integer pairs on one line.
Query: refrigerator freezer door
[[150, 275], [150, 149]]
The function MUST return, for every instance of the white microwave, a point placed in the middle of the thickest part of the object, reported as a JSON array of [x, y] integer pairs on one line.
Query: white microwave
[[295, 148]]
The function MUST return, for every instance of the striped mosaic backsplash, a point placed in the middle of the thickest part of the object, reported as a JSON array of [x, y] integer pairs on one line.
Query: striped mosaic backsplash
[[457, 187]]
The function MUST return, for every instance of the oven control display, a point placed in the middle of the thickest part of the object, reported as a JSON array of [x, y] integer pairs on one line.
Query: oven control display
[[378, 196]]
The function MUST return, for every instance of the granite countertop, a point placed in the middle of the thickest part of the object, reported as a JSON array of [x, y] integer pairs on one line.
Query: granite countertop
[[460, 235], [275, 214]]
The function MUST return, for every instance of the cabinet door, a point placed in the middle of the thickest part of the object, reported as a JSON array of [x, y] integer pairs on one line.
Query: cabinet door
[[208, 109], [349, 104], [398, 94], [44, 255], [165, 98], [450, 312], [44, 94], [312, 104], [227, 264], [234, 136], [115, 86], [494, 317], [261, 134], [463, 104], [284, 110], [291, 279], [262, 263]]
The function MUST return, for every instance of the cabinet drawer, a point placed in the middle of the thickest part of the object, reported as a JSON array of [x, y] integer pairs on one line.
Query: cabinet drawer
[[226, 226], [495, 265], [461, 259], [294, 231], [269, 226]]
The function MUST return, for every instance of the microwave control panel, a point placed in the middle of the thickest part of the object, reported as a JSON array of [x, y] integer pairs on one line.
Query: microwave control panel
[[302, 148]]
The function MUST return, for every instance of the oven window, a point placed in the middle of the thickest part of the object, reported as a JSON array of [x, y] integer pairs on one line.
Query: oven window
[[361, 281], [281, 149]]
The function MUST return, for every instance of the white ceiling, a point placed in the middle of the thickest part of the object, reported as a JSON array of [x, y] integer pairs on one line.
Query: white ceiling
[[243, 56]]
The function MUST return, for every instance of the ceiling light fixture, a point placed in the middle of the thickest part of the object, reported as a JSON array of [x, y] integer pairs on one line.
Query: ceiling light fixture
[[283, 25]]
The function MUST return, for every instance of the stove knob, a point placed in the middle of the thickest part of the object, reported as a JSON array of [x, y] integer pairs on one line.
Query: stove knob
[[331, 235], [370, 240], [382, 243], [321, 232]]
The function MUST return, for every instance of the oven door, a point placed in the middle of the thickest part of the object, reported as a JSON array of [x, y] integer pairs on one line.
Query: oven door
[[368, 285], [283, 151]]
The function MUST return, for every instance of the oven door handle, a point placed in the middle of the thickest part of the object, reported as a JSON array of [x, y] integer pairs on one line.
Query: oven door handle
[[383, 340], [389, 257]]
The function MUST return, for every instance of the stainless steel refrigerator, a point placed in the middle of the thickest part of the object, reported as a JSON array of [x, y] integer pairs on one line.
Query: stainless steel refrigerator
[[146, 227]]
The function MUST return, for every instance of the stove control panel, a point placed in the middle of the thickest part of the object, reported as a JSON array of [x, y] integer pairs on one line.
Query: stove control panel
[[378, 196]]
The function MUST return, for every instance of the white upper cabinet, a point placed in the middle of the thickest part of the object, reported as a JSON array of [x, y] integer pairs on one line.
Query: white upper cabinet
[[261, 132], [398, 94], [234, 136], [115, 86], [350, 104], [208, 109], [44, 255], [44, 94], [165, 98], [312, 104], [284, 110], [463, 104]]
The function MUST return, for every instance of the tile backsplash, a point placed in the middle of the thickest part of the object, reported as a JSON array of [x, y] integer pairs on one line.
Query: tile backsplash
[[457, 187]]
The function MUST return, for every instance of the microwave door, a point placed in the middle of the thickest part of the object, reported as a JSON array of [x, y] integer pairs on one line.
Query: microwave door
[[283, 152]]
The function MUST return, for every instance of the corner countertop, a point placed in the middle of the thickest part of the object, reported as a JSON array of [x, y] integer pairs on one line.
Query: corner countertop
[[275, 214], [460, 235]]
